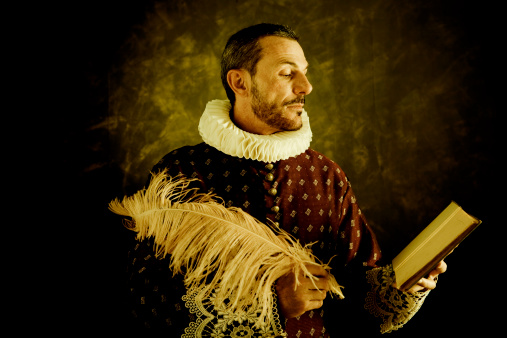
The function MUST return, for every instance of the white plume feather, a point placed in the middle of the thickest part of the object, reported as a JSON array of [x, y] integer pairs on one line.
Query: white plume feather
[[218, 249]]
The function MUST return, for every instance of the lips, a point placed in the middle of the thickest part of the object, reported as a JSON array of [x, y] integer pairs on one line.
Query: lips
[[297, 103], [296, 106]]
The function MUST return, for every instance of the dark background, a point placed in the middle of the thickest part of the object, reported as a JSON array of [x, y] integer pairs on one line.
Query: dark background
[[405, 100]]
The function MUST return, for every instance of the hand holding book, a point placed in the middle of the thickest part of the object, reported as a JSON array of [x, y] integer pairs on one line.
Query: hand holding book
[[429, 282], [424, 255]]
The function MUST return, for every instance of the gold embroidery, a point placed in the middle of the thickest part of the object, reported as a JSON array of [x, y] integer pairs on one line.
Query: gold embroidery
[[218, 322]]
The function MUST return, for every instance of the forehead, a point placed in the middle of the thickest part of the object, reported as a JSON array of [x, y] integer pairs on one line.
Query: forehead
[[279, 51]]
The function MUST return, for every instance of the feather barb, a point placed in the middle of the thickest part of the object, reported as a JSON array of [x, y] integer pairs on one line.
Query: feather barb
[[220, 250]]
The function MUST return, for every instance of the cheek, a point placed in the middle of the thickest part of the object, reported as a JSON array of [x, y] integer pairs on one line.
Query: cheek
[[274, 90], [278, 93]]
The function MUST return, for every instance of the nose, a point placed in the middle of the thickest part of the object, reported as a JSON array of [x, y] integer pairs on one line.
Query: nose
[[303, 86]]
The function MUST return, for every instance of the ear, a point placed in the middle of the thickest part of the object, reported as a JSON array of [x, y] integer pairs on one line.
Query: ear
[[239, 81]]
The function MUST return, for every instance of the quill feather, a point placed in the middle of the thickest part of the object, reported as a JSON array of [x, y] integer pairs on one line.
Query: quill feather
[[220, 250]]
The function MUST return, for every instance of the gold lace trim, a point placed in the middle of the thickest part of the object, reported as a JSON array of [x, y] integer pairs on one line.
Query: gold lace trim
[[395, 307], [218, 322]]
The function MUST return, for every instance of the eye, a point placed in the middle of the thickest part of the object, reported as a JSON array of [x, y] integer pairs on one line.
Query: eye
[[286, 75]]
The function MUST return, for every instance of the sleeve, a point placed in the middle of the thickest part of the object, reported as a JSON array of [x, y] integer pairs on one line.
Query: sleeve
[[154, 294], [371, 306], [370, 301], [393, 306]]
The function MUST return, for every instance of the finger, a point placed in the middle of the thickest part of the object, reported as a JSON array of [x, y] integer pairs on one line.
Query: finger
[[316, 295], [321, 284], [307, 284], [440, 268], [312, 305], [317, 271], [319, 279], [426, 283], [315, 304]]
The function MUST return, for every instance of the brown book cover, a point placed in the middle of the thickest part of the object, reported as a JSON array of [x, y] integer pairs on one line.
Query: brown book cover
[[432, 245]]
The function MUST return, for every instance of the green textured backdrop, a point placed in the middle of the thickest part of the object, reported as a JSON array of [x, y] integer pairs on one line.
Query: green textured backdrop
[[406, 99], [391, 103]]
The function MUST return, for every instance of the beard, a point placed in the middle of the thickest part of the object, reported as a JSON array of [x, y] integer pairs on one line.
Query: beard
[[273, 114]]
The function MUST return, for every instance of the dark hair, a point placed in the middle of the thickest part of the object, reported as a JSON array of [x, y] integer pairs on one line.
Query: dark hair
[[243, 50]]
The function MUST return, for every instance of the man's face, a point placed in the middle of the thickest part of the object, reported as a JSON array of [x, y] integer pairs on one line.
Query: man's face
[[280, 84]]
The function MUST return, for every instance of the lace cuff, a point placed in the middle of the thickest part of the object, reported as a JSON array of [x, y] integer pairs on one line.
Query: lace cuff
[[395, 307]]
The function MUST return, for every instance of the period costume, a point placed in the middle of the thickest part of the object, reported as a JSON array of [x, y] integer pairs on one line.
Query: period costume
[[280, 181]]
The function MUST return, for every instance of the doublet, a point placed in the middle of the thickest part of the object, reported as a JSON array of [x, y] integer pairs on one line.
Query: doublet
[[308, 196]]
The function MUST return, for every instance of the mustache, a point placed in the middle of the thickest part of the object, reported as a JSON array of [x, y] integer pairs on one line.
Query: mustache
[[297, 100]]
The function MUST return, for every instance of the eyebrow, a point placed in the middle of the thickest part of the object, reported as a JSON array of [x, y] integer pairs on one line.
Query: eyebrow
[[287, 62]]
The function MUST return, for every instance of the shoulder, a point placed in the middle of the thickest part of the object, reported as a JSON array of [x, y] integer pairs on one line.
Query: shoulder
[[185, 151], [193, 161], [185, 154], [320, 160]]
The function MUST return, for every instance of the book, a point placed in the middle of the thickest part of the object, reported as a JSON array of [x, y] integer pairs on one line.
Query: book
[[432, 245]]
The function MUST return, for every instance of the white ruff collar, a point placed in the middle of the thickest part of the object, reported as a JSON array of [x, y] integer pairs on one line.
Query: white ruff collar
[[217, 130]]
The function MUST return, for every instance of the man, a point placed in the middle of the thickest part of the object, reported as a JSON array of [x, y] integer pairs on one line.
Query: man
[[256, 156]]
